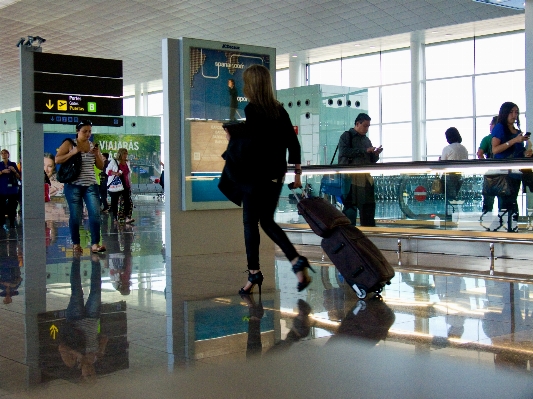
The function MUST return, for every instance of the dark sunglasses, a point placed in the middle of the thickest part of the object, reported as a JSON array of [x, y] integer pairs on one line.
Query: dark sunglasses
[[83, 123]]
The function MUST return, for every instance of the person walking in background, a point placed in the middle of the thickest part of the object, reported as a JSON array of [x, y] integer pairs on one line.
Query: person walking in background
[[355, 148], [269, 134], [84, 189], [103, 184], [121, 202], [508, 142], [485, 152], [9, 187]]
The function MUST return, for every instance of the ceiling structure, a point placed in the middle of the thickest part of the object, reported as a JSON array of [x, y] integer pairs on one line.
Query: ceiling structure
[[314, 30]]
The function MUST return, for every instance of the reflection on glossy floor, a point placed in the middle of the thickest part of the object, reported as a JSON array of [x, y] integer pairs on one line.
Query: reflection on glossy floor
[[432, 335]]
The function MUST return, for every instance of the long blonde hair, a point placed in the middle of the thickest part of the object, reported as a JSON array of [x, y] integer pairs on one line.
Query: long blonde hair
[[258, 89], [120, 152]]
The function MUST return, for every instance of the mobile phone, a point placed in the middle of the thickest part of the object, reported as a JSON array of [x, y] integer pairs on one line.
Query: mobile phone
[[527, 134], [96, 145]]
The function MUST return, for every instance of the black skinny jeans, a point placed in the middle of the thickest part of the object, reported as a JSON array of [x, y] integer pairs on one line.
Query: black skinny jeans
[[259, 205]]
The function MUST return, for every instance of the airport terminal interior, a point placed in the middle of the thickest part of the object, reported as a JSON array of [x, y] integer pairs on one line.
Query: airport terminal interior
[[159, 314]]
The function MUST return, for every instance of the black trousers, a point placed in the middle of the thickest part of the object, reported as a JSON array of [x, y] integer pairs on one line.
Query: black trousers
[[259, 205], [362, 199], [8, 206]]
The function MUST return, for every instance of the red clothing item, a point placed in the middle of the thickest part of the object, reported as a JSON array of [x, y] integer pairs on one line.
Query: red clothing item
[[125, 174]]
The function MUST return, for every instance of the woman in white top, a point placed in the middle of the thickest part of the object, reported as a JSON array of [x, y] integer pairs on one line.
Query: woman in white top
[[455, 151], [84, 188]]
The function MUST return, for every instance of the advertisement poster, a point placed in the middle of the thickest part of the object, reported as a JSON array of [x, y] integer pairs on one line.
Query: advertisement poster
[[208, 142], [144, 152], [216, 85]]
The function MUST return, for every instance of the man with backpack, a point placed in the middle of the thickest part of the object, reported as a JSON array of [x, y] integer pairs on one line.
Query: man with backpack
[[355, 148]]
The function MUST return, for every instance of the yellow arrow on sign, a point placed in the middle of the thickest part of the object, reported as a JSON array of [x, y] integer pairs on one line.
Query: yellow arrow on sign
[[49, 105], [53, 331]]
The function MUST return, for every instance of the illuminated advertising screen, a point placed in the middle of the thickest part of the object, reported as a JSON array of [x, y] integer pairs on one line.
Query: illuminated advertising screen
[[211, 74]]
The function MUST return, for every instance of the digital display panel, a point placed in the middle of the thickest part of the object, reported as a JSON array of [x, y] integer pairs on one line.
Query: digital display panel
[[212, 79]]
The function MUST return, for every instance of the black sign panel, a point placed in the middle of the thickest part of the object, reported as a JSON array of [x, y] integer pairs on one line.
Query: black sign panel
[[74, 65], [81, 85], [72, 104], [69, 119]]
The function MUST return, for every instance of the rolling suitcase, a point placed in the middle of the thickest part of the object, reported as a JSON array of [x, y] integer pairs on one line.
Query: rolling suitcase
[[359, 261], [321, 216]]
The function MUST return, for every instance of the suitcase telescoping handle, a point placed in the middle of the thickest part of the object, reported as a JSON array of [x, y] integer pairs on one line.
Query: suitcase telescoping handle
[[296, 195]]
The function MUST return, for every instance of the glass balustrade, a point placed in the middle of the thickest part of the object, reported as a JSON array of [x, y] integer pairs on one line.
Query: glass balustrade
[[430, 195]]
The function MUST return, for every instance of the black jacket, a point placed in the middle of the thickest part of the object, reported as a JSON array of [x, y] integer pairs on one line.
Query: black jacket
[[352, 149]]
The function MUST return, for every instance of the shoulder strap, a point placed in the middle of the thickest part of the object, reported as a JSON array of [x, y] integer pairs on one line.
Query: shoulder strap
[[335, 153], [71, 141]]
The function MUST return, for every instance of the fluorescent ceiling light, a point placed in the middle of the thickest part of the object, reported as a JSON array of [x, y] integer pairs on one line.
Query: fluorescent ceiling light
[[514, 4], [5, 3]]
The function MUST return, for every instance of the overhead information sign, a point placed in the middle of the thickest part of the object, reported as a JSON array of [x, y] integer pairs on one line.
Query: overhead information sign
[[69, 119], [67, 86], [75, 65], [71, 84], [77, 104]]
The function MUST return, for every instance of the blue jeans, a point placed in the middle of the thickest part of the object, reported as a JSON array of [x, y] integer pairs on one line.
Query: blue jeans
[[75, 196], [76, 310]]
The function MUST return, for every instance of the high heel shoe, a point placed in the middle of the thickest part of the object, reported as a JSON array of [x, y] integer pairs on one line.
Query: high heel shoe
[[301, 266], [256, 278]]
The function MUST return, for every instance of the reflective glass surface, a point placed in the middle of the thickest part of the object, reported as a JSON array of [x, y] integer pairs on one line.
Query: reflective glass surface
[[133, 318]]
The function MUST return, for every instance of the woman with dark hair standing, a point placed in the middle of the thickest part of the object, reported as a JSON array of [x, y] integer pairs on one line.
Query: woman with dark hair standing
[[84, 188], [508, 142], [9, 177], [271, 135], [455, 151]]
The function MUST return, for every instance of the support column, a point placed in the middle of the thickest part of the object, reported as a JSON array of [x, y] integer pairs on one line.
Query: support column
[[529, 64], [34, 245], [417, 97], [138, 99], [296, 72], [145, 99]]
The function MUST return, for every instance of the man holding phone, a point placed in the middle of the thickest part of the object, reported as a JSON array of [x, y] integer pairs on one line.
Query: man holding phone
[[355, 148]]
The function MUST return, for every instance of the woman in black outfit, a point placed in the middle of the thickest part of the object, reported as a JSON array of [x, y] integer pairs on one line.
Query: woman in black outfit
[[271, 135]]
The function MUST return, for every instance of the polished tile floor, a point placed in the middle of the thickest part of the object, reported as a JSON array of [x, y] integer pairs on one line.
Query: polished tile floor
[[431, 334]]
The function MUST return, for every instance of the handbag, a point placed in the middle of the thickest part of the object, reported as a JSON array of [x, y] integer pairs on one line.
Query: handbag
[[436, 185], [116, 185], [497, 185], [71, 168]]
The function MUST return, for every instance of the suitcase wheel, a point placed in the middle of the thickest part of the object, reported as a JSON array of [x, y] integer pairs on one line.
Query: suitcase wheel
[[360, 292]]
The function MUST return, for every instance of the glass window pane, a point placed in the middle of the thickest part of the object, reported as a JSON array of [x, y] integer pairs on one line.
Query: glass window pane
[[450, 59], [493, 90], [361, 71], [155, 104], [397, 140], [128, 106], [396, 103], [326, 73], [395, 67], [373, 104], [449, 98], [282, 79], [482, 128], [489, 57], [436, 140]]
